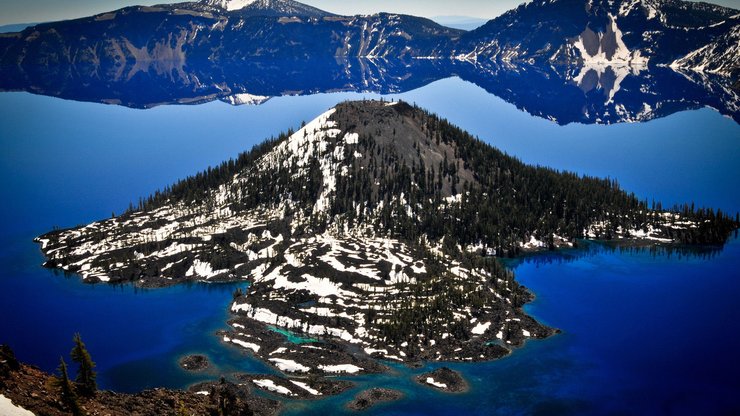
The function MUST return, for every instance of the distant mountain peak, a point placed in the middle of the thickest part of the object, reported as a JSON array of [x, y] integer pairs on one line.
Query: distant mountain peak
[[229, 4], [268, 7]]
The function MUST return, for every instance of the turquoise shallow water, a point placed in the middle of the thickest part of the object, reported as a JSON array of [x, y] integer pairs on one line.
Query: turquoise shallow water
[[643, 334], [293, 337]]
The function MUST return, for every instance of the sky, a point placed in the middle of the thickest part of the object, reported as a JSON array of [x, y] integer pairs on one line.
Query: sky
[[26, 11], [35, 11]]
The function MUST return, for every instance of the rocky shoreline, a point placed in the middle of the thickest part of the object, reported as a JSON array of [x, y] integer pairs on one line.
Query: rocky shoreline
[[25, 387], [32, 389]]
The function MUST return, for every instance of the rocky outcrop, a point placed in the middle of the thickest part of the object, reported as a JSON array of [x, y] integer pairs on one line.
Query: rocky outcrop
[[194, 362], [369, 398], [444, 379]]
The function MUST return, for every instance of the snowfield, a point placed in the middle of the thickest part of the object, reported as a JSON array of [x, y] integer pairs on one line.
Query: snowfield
[[7, 408]]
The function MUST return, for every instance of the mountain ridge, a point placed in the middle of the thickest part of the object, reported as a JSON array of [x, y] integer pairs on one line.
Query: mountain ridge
[[566, 34], [284, 8]]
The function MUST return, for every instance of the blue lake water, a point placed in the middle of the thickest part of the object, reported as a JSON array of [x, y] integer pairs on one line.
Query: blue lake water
[[643, 334]]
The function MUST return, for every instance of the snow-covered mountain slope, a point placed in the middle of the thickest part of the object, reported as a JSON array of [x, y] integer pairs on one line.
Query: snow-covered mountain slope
[[598, 49], [229, 4], [286, 8], [673, 13], [721, 56], [599, 32], [371, 227]]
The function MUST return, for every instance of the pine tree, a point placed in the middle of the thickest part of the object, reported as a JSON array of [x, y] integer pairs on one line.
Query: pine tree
[[85, 373], [69, 397]]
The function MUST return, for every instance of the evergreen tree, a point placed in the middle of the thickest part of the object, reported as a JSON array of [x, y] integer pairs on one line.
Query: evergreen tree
[[85, 373], [69, 397]]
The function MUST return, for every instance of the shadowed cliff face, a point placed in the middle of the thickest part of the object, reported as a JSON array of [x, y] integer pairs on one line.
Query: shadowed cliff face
[[195, 32]]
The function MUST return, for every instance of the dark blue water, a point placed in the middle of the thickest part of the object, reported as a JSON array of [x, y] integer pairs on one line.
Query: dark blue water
[[642, 334]]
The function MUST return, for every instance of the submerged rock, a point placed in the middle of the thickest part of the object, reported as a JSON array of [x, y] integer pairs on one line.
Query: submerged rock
[[370, 398], [195, 362]]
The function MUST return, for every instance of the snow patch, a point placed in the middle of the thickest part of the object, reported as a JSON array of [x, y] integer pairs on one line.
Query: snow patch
[[289, 366], [480, 328], [246, 99], [203, 269], [247, 345], [351, 138], [306, 387], [270, 385], [341, 368], [432, 382], [621, 55], [7, 408]]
